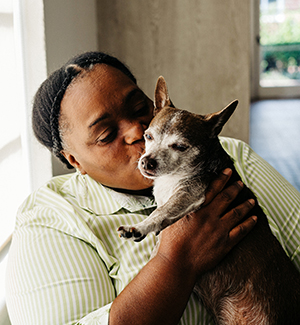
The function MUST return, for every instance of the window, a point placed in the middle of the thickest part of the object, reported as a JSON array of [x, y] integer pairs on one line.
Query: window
[[13, 181], [280, 43], [24, 164]]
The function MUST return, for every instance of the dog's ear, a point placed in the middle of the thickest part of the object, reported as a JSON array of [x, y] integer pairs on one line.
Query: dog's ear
[[219, 119], [161, 95]]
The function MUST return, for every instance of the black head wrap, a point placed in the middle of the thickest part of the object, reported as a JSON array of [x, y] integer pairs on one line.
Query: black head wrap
[[46, 106]]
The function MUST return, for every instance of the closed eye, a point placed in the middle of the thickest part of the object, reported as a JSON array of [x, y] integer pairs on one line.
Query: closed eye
[[142, 111], [179, 147], [107, 137]]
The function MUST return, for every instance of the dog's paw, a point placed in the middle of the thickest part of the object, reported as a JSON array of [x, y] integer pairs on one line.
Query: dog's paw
[[128, 232]]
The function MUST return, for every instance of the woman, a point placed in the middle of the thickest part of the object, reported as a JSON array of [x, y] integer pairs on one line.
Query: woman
[[67, 264]]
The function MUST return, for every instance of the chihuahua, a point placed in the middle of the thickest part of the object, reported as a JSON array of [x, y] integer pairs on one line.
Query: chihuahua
[[256, 283]]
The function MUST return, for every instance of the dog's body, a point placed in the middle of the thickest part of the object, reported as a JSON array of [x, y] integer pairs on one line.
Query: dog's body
[[256, 283]]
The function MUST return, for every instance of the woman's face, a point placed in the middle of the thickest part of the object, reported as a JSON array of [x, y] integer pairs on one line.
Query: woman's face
[[103, 117]]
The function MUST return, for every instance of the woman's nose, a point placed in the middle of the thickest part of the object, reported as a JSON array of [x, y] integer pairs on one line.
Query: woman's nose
[[133, 131]]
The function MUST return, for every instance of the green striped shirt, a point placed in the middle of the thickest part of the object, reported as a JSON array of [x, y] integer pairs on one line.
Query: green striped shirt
[[67, 264]]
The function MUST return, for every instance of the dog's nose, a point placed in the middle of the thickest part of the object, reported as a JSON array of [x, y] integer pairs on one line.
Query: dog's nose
[[149, 163]]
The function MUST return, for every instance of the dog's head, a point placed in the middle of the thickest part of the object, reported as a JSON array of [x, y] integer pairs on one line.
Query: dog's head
[[178, 141]]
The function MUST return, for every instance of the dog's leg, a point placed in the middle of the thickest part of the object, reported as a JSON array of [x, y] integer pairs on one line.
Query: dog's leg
[[180, 204]]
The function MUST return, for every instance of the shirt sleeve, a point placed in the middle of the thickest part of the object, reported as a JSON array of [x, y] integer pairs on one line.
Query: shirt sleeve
[[56, 278], [97, 317], [277, 197]]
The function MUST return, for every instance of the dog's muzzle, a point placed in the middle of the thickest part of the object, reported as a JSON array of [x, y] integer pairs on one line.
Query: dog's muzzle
[[148, 166]]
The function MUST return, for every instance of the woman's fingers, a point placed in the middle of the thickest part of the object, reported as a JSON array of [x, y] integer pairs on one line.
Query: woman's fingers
[[231, 220], [222, 200], [240, 231], [216, 186], [234, 217]]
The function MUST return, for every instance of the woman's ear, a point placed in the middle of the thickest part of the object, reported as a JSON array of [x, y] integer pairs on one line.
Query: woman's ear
[[73, 161]]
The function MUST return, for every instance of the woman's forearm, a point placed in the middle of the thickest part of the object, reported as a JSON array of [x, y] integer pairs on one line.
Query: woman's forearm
[[157, 295]]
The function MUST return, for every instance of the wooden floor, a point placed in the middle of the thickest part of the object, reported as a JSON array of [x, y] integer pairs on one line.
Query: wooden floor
[[275, 135]]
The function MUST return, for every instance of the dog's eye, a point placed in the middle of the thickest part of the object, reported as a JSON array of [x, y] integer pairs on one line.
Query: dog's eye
[[179, 147], [148, 136]]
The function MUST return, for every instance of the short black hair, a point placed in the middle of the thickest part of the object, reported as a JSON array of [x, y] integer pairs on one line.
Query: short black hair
[[47, 100]]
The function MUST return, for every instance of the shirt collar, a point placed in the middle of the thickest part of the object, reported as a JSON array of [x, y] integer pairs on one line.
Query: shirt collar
[[98, 199]]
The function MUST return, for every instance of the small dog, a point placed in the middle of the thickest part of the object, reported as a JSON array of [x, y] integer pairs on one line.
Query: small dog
[[256, 283]]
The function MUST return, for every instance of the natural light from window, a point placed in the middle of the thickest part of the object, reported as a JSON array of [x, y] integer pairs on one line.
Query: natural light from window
[[13, 189]]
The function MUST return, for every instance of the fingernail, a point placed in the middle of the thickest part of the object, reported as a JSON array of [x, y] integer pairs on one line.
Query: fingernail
[[252, 202], [240, 183], [254, 218], [227, 171]]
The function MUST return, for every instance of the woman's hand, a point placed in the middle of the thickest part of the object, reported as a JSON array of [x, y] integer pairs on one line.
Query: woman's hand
[[199, 241]]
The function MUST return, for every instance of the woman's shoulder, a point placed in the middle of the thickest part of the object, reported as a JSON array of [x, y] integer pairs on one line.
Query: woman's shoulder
[[51, 189], [44, 201]]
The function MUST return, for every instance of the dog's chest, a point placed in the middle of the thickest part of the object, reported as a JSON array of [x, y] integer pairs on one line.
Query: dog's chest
[[164, 187]]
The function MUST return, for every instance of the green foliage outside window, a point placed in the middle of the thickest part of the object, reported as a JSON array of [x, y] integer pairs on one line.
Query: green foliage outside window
[[281, 33], [280, 46]]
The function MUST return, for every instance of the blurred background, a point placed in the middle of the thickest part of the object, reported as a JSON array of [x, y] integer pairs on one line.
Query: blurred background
[[210, 53]]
